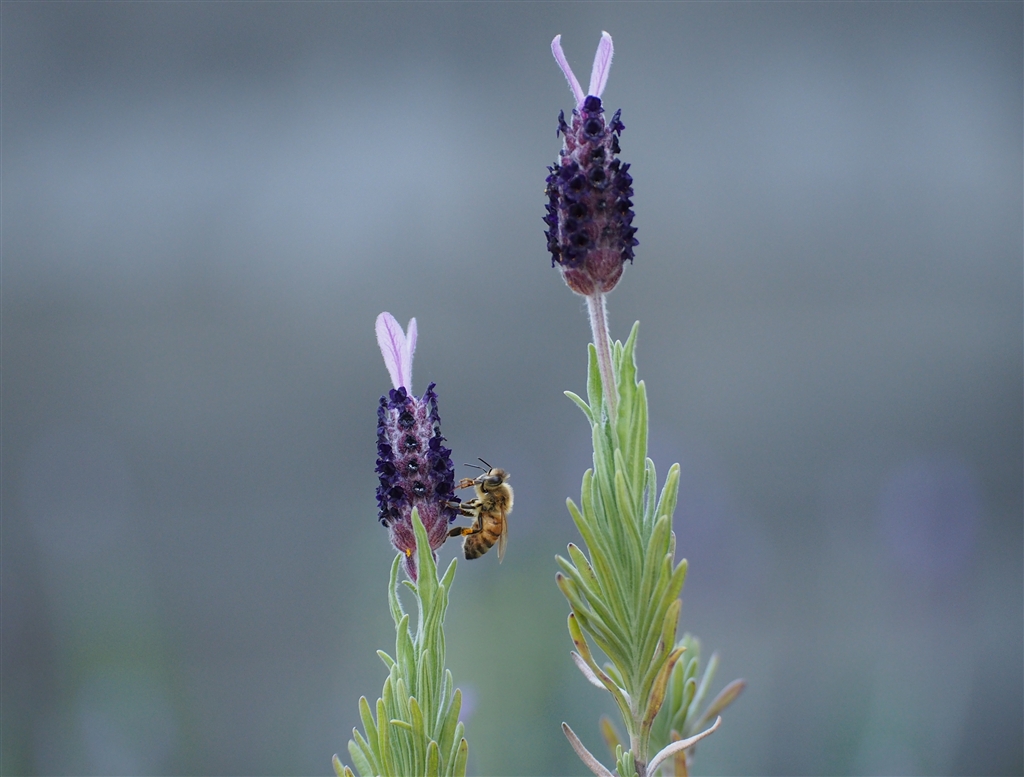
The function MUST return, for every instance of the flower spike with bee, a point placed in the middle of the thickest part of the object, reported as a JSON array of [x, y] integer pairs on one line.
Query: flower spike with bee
[[414, 467]]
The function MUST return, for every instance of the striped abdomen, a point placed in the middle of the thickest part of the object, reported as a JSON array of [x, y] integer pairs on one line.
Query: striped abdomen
[[475, 545]]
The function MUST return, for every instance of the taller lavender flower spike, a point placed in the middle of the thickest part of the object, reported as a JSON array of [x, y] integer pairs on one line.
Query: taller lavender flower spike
[[590, 214], [414, 467]]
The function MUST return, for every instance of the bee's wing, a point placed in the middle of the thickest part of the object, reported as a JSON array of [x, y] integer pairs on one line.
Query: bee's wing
[[502, 538]]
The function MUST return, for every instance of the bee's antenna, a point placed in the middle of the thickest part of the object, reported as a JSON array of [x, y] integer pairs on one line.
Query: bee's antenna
[[474, 466], [489, 467]]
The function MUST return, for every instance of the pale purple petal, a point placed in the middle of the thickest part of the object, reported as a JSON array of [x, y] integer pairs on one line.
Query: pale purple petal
[[602, 64], [410, 349], [394, 348], [577, 90]]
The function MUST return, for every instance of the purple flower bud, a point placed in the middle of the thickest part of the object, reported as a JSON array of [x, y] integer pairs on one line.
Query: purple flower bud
[[414, 467], [590, 214]]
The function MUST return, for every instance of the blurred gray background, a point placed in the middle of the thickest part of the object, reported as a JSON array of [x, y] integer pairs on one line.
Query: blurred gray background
[[205, 205]]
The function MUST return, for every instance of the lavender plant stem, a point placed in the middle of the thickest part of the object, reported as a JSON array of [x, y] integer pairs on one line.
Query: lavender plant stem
[[599, 326]]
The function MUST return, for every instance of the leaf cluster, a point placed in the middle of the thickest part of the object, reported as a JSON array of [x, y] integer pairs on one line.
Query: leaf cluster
[[681, 714], [417, 728], [624, 589], [625, 596]]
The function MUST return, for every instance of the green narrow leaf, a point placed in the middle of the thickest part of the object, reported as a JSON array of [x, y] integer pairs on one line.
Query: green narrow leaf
[[610, 589], [576, 601], [426, 579], [401, 699], [728, 695], [422, 691], [609, 637], [603, 551], [595, 604], [689, 689], [359, 756], [444, 702], [663, 598], [610, 683], [460, 759], [433, 760], [610, 734], [388, 660], [405, 649], [594, 391], [666, 638], [366, 716], [581, 405], [653, 613], [454, 754], [625, 765], [659, 543], [449, 576], [677, 690], [653, 568], [678, 579], [703, 686], [649, 495], [638, 443], [384, 735], [651, 644], [633, 545], [451, 720], [598, 543], [402, 747], [629, 353], [393, 601], [625, 369], [604, 485], [605, 511], [582, 526], [693, 666], [656, 696], [418, 733], [580, 641], [339, 769], [579, 558], [614, 673], [669, 493], [668, 631]]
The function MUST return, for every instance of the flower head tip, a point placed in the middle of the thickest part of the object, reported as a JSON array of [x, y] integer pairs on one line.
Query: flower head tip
[[397, 348]]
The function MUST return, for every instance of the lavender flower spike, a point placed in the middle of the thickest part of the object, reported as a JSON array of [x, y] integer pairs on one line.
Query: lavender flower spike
[[414, 467], [590, 213]]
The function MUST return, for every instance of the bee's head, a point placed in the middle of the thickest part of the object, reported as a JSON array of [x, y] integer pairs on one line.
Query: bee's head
[[492, 479]]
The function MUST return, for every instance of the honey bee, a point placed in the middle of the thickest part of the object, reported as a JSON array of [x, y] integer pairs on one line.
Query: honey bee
[[489, 510]]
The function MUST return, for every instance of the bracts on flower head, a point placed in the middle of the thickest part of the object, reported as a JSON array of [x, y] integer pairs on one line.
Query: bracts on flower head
[[589, 212], [413, 465]]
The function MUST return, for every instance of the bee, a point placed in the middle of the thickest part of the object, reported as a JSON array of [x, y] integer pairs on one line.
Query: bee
[[489, 510]]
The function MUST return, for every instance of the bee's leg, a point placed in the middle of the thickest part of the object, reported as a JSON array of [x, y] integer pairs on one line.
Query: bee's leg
[[469, 509], [476, 528]]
